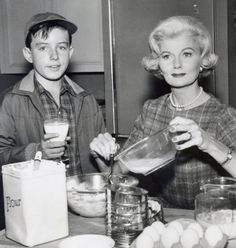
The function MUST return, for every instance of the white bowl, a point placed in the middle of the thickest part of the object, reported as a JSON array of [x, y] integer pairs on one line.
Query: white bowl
[[87, 241]]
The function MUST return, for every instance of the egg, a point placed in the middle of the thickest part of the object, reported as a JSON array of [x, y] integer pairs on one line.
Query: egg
[[213, 234], [232, 234], [149, 230], [177, 225], [169, 237], [158, 226], [144, 240], [197, 227], [189, 238]]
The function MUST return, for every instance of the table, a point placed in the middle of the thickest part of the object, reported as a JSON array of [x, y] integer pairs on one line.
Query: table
[[81, 225]]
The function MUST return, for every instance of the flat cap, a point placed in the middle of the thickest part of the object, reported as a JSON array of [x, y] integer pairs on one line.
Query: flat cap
[[46, 17]]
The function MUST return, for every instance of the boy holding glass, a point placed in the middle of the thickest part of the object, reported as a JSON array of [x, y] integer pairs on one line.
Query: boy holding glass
[[45, 93]]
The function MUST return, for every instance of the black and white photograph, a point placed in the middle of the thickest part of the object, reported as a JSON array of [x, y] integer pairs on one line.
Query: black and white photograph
[[118, 123]]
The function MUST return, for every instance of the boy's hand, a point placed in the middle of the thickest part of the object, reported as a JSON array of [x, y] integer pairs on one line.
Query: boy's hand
[[105, 145], [52, 150]]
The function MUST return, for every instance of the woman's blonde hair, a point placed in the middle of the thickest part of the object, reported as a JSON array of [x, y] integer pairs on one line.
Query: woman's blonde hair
[[172, 27]]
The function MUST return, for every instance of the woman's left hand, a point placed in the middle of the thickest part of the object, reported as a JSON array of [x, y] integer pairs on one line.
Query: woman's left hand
[[187, 133]]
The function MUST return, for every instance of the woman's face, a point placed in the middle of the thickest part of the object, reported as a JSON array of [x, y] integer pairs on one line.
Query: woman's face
[[180, 60]]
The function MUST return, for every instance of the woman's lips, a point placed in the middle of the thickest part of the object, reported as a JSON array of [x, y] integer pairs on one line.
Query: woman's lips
[[178, 75]]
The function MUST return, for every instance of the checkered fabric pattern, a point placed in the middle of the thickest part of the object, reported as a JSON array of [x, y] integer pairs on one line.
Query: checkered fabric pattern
[[66, 111], [179, 181]]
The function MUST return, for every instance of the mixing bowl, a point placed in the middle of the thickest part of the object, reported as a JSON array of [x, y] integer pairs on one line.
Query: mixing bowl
[[86, 194]]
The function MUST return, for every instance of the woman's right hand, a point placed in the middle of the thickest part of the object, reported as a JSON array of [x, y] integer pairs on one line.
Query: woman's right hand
[[105, 145]]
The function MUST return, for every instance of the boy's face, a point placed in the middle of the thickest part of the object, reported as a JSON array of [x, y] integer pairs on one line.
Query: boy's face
[[50, 57], [180, 60]]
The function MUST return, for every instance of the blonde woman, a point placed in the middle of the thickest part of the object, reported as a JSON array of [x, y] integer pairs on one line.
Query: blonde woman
[[204, 129]]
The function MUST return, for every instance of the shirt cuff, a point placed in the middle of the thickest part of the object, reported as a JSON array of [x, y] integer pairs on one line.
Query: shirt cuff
[[228, 158]]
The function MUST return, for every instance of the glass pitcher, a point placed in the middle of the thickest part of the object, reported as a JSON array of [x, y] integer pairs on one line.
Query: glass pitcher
[[218, 183], [149, 154], [217, 206]]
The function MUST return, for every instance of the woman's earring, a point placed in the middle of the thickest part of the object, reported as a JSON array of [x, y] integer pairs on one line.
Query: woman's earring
[[201, 69]]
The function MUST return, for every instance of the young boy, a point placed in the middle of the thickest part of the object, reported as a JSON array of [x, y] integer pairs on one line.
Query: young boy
[[46, 92]]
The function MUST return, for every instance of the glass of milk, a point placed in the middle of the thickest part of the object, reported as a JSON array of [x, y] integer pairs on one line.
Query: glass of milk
[[57, 125]]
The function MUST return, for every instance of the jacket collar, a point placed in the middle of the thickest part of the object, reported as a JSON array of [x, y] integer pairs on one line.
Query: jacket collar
[[26, 85]]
